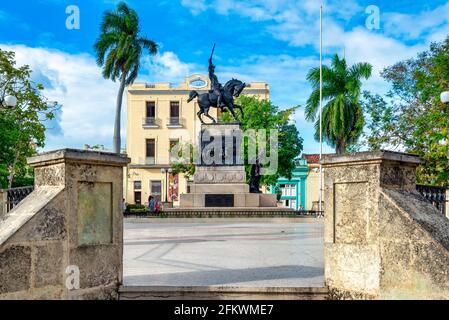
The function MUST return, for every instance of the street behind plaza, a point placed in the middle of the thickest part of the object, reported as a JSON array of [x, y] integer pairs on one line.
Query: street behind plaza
[[224, 252]]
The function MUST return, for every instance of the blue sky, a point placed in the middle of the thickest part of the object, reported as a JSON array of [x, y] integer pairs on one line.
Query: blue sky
[[260, 40]]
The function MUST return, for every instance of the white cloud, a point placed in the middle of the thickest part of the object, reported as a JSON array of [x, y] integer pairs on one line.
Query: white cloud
[[361, 45], [414, 26], [74, 81], [88, 100], [286, 76], [296, 22], [167, 67], [195, 6]]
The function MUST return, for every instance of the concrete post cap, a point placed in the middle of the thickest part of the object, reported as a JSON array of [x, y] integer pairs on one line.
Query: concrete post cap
[[368, 156], [82, 156]]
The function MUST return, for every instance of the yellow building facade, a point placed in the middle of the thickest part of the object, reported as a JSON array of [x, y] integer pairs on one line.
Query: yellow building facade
[[159, 117]]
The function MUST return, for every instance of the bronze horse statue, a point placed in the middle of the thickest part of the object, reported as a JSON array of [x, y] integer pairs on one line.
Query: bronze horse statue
[[232, 89]]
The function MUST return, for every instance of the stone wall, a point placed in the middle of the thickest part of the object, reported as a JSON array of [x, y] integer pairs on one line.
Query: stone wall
[[71, 222], [383, 240]]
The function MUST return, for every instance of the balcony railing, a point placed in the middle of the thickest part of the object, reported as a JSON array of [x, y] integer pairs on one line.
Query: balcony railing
[[150, 160], [150, 122], [145, 161], [175, 122]]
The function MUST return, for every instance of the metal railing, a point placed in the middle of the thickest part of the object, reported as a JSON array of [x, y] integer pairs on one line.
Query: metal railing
[[151, 122], [435, 195], [312, 213], [174, 121], [9, 198], [150, 160]]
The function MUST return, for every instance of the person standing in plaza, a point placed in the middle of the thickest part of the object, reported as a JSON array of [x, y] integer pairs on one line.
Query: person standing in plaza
[[151, 204], [124, 206]]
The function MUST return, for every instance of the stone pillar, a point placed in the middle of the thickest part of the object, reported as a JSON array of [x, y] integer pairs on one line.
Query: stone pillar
[[72, 222], [3, 202], [352, 185]]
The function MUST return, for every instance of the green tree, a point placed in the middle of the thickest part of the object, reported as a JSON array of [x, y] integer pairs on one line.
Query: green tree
[[263, 114], [413, 117], [119, 50], [184, 159], [259, 114], [342, 115], [383, 129], [22, 128]]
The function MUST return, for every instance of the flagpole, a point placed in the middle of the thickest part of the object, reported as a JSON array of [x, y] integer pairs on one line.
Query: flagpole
[[320, 205]]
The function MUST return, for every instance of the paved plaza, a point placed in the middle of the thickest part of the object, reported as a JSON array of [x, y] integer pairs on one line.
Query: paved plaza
[[224, 252]]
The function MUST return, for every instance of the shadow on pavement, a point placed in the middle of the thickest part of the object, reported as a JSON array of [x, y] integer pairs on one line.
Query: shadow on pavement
[[225, 276]]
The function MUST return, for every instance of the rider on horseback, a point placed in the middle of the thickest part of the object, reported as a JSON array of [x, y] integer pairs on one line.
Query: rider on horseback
[[217, 88], [219, 97]]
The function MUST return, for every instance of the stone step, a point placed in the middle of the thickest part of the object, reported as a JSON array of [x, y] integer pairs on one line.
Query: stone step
[[221, 293]]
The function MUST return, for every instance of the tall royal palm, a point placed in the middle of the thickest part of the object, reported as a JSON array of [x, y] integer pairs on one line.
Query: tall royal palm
[[342, 115], [119, 49]]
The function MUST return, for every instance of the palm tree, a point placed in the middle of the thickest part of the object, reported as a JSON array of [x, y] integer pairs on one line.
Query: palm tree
[[119, 49], [342, 115]]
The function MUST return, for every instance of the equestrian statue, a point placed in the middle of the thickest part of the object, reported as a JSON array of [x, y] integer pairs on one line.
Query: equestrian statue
[[219, 96]]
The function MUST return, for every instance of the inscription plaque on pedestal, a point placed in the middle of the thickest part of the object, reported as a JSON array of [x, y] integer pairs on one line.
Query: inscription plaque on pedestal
[[94, 213], [219, 200]]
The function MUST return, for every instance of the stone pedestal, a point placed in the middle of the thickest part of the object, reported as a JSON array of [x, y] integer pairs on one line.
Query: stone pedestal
[[383, 240], [65, 240], [220, 177]]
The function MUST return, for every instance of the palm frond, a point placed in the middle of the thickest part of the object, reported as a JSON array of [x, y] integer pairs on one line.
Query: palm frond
[[360, 70], [148, 44], [106, 42], [342, 118], [312, 105]]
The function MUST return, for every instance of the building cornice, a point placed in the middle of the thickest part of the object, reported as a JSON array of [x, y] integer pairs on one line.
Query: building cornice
[[149, 166], [183, 91]]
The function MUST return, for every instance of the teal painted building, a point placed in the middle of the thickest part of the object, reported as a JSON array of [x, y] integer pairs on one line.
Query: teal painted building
[[294, 191]]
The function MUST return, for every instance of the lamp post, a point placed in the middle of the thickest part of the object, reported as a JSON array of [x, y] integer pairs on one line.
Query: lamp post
[[445, 97], [167, 172], [320, 196], [8, 102]]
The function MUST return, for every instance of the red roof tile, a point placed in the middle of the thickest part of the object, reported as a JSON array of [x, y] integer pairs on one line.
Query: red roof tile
[[311, 158]]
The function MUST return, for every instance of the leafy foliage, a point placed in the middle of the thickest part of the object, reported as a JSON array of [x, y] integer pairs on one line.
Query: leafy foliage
[[184, 162], [411, 117], [259, 114], [21, 128], [382, 124], [342, 115], [263, 114]]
